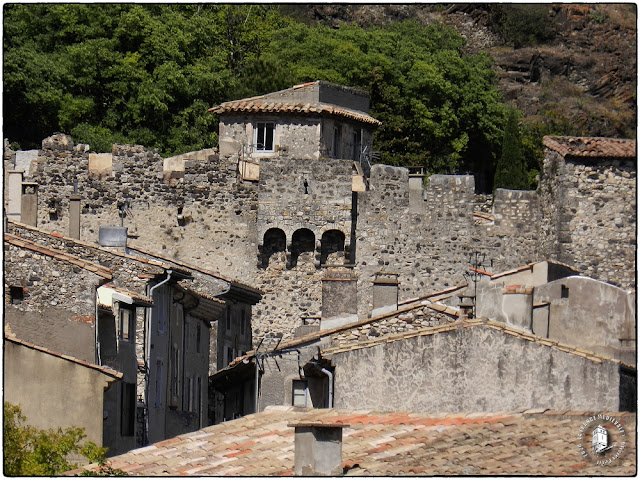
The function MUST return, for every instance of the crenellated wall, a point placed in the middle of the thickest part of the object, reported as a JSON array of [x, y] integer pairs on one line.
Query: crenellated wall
[[197, 208]]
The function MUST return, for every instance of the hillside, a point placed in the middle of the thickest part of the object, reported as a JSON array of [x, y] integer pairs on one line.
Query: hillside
[[581, 80]]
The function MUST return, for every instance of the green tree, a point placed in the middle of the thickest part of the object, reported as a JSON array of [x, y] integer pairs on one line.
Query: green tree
[[29, 451], [510, 171]]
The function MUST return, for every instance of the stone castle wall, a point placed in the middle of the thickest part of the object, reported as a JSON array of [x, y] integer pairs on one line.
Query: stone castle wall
[[198, 210], [590, 209]]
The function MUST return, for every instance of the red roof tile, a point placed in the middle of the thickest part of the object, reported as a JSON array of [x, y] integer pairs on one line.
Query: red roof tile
[[263, 105], [591, 146], [388, 443]]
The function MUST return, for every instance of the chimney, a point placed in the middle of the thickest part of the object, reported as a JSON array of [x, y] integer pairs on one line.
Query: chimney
[[14, 205], [385, 293], [30, 203], [318, 449], [74, 216]]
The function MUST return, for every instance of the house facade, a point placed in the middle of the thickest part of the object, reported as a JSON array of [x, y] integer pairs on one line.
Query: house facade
[[149, 320]]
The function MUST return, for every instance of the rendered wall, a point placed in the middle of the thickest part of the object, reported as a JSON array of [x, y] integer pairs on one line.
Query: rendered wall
[[604, 315], [59, 393], [471, 370]]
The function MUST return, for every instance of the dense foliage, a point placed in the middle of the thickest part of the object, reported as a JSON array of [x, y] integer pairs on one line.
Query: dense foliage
[[29, 451], [146, 74]]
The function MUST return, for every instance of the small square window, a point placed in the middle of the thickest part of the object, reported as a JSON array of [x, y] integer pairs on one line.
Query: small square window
[[299, 396], [264, 136], [564, 291]]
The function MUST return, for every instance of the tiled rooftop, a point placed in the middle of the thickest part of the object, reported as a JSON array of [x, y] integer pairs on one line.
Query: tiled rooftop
[[388, 444], [59, 255], [591, 146], [8, 336], [262, 105]]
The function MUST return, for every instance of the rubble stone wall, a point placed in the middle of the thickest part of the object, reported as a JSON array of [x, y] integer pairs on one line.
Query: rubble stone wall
[[199, 211], [590, 209]]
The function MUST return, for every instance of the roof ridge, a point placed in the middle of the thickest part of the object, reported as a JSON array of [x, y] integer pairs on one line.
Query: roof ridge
[[549, 342], [59, 255], [104, 369], [193, 267], [330, 331]]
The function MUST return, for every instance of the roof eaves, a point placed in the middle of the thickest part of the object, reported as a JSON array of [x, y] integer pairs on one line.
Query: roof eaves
[[106, 370]]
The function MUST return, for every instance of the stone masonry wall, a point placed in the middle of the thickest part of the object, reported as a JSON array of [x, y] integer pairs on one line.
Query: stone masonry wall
[[201, 213], [590, 207], [54, 312]]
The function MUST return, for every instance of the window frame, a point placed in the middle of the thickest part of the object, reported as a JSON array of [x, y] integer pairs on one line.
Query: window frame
[[297, 392], [262, 129]]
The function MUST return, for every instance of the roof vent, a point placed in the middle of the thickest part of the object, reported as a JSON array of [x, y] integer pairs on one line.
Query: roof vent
[[112, 236]]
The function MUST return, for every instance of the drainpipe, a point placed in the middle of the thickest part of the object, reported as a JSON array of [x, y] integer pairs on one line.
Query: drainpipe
[[257, 385], [330, 376], [148, 354], [98, 359]]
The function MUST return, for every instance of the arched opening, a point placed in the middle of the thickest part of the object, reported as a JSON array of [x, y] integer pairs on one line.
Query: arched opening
[[332, 247], [303, 241], [274, 241]]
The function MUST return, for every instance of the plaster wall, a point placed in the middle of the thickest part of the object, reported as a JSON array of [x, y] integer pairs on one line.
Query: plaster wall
[[471, 370], [601, 312], [59, 393]]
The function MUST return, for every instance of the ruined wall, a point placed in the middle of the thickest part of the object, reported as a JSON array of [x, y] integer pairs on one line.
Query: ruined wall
[[473, 369], [590, 209]]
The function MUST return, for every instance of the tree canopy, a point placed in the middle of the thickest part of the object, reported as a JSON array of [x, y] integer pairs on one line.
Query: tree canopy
[[147, 73]]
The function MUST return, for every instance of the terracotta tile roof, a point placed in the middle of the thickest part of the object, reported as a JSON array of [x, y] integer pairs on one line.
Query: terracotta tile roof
[[260, 105], [311, 337], [233, 282], [474, 323], [388, 444], [99, 248], [59, 255], [106, 370], [591, 146]]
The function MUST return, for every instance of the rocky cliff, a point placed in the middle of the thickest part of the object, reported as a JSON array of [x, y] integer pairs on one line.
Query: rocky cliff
[[581, 80]]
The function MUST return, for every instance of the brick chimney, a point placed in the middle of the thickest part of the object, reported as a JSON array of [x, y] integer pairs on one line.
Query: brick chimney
[[318, 449]]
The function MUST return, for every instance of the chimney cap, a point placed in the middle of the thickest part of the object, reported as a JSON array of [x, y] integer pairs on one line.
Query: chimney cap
[[318, 425]]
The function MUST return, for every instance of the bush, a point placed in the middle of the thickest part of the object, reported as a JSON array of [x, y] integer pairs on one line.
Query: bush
[[523, 24], [29, 451]]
